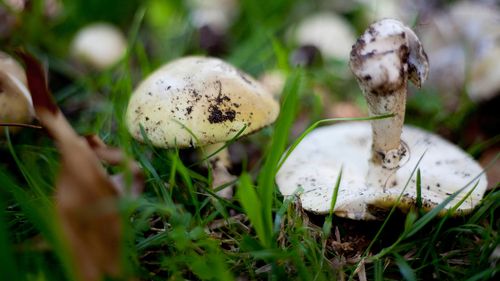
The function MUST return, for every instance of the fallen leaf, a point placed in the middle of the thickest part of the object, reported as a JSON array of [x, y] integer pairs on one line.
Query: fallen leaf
[[114, 156], [87, 197]]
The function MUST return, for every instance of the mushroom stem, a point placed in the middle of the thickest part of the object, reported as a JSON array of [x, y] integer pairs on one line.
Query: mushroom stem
[[383, 59], [220, 163]]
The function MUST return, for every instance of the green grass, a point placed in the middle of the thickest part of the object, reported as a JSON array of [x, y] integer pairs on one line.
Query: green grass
[[178, 228]]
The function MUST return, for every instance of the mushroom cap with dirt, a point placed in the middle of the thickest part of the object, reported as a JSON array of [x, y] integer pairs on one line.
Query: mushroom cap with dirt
[[378, 161], [200, 102], [99, 45], [15, 101], [196, 101]]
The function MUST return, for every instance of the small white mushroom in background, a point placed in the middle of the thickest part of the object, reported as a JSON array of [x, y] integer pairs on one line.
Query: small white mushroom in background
[[328, 32], [218, 14], [273, 81], [378, 160], [204, 97], [99, 45], [213, 18], [15, 100], [403, 10], [463, 43]]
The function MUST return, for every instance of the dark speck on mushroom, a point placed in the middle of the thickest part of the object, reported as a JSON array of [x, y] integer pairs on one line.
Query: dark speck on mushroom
[[219, 116]]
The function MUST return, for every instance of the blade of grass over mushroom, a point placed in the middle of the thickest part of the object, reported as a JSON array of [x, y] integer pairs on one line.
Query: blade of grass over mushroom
[[423, 221], [323, 121], [393, 209], [453, 209], [488, 204], [265, 182], [435, 211], [419, 191], [327, 225], [252, 205], [278, 218]]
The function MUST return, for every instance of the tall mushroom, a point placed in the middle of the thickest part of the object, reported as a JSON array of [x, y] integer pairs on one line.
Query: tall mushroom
[[377, 161], [200, 102]]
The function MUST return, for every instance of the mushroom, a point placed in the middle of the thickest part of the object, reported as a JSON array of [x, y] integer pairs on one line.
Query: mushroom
[[213, 18], [99, 45], [328, 32], [273, 81], [15, 102], [218, 14], [378, 161], [200, 102], [463, 44]]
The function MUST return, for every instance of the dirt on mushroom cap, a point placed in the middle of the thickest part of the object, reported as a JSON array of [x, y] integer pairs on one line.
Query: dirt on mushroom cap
[[206, 96]]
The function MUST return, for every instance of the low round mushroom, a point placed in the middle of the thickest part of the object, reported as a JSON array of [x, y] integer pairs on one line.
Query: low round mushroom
[[99, 45], [378, 161], [200, 102], [15, 101]]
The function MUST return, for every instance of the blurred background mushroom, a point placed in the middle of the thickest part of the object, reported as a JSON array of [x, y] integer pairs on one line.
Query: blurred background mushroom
[[213, 19], [99, 45], [329, 33], [463, 45], [15, 101]]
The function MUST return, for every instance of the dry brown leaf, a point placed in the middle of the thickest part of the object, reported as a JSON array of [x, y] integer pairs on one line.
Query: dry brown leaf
[[86, 196], [114, 156]]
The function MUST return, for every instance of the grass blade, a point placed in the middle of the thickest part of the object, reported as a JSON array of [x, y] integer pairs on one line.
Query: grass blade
[[405, 269], [249, 199], [419, 191], [266, 185]]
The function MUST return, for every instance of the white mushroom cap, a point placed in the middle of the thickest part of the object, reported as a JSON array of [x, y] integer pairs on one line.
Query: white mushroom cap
[[273, 81], [314, 165], [218, 14], [484, 80], [15, 100], [209, 97], [99, 45], [330, 33]]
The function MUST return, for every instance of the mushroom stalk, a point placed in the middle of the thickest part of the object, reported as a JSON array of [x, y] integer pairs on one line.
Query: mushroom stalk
[[383, 59], [220, 163]]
